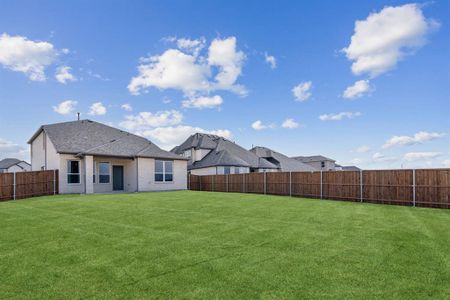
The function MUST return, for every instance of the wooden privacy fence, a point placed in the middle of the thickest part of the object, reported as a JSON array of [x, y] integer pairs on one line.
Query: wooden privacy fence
[[421, 187], [28, 184]]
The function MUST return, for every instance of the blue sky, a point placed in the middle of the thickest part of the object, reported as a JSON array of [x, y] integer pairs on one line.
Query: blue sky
[[300, 78]]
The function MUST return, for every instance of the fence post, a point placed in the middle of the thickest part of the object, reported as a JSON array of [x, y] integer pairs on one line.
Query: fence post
[[321, 185], [290, 184], [414, 187], [360, 186], [189, 181], [54, 182], [200, 182], [243, 183], [212, 183], [14, 186], [265, 184]]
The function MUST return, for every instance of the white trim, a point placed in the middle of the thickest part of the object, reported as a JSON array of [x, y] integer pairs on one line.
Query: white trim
[[164, 173], [103, 174]]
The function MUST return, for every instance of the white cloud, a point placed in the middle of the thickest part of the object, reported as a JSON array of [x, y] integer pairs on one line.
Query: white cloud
[[203, 102], [271, 60], [9, 149], [65, 107], [339, 116], [223, 54], [63, 75], [169, 137], [143, 120], [379, 157], [171, 70], [418, 138], [386, 37], [97, 109], [362, 149], [192, 46], [191, 73], [357, 89], [290, 124], [302, 91], [258, 125], [126, 107], [17, 53], [446, 162], [414, 156]]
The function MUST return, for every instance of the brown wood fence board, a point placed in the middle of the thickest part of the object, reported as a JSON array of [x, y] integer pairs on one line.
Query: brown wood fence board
[[28, 184], [277, 183], [306, 184], [254, 183], [341, 185], [6, 186], [236, 183], [433, 188], [422, 187]]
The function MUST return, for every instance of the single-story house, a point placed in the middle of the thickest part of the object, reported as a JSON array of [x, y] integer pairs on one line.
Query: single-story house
[[283, 162], [12, 165], [318, 162], [211, 154], [95, 158]]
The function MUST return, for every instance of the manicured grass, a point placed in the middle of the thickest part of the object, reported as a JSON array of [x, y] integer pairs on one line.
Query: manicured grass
[[217, 245]]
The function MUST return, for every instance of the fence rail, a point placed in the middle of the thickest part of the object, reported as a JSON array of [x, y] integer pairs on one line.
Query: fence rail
[[21, 185], [421, 187]]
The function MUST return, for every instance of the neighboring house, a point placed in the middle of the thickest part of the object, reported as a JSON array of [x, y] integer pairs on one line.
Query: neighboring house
[[318, 162], [284, 163], [12, 165], [347, 168], [94, 158], [210, 154]]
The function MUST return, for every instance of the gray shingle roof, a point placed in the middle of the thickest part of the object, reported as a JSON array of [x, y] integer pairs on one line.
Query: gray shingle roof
[[313, 158], [223, 153], [284, 162], [87, 137], [9, 162]]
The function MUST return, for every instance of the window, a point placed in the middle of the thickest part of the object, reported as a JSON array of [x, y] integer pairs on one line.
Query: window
[[226, 170], [187, 153], [103, 172], [163, 171], [236, 170], [322, 164], [73, 171]]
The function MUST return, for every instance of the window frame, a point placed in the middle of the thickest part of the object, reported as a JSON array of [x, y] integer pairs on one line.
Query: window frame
[[104, 174], [164, 172], [69, 168]]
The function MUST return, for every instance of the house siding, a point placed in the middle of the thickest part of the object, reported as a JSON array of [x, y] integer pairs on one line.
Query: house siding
[[146, 179]]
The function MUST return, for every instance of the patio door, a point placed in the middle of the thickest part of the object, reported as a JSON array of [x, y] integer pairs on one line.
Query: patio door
[[117, 178]]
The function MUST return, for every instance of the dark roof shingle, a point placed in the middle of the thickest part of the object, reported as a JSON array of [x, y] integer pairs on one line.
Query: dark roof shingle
[[223, 153], [93, 138]]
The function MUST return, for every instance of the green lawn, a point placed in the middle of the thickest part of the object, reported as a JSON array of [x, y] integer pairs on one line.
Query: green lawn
[[217, 245]]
